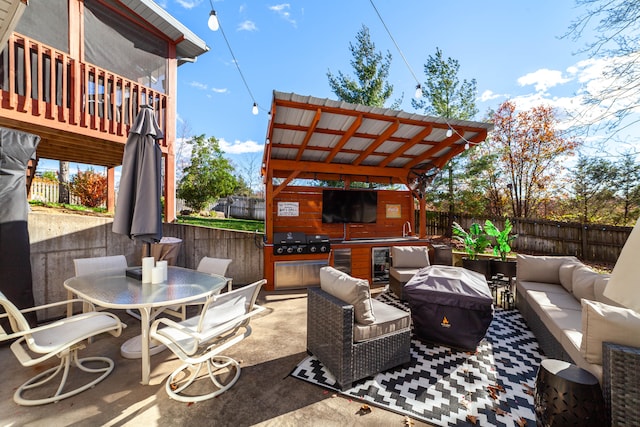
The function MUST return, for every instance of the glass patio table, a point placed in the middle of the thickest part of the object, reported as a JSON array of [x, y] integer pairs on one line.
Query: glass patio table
[[114, 289]]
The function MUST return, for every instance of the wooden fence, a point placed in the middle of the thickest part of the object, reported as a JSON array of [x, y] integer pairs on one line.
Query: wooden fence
[[49, 191], [589, 242]]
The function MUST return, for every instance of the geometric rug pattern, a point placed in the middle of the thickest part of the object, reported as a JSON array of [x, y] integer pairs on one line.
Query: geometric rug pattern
[[448, 387]]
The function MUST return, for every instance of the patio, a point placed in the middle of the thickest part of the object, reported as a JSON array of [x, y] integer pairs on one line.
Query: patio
[[264, 395]]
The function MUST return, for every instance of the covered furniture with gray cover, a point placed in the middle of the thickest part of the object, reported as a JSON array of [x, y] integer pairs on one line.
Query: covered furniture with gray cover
[[450, 305], [16, 148]]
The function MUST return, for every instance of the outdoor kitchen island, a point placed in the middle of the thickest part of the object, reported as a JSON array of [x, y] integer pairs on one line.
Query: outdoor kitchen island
[[345, 182]]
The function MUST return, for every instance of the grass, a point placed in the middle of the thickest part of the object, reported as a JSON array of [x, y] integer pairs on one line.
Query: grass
[[226, 223], [67, 206]]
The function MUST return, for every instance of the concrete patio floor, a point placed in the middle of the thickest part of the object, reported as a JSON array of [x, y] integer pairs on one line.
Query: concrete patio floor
[[265, 394]]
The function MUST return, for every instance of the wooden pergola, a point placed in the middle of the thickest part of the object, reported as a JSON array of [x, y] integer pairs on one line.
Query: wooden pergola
[[323, 139]]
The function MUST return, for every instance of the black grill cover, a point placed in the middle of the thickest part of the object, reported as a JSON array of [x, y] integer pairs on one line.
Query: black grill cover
[[450, 305]]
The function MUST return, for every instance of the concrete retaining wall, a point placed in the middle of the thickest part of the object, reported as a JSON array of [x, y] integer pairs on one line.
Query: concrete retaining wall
[[58, 238]]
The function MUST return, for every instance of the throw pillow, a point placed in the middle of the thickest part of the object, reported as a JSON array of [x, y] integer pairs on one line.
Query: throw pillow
[[410, 256], [350, 290], [602, 322], [583, 280]]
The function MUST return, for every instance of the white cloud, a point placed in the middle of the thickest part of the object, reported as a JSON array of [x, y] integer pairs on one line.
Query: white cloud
[[240, 147], [247, 26], [189, 4], [489, 95], [283, 10], [219, 90], [543, 79], [198, 85]]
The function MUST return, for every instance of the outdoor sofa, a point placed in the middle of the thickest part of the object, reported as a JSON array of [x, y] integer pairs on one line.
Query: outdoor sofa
[[562, 301]]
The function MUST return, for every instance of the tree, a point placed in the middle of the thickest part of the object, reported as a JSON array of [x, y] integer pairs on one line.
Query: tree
[[616, 23], [592, 179], [531, 149], [90, 187], [371, 72], [444, 95], [627, 183], [63, 183], [209, 175]]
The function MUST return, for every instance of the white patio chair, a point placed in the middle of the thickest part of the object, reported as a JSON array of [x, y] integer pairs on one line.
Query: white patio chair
[[198, 341], [62, 338], [85, 266], [208, 265]]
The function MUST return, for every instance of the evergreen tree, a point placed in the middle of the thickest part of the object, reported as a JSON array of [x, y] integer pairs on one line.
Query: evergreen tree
[[370, 86]]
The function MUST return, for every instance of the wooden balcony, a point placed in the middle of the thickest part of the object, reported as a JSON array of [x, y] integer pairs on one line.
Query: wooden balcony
[[81, 112]]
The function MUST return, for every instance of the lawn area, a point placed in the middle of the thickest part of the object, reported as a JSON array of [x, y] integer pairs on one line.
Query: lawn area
[[226, 223]]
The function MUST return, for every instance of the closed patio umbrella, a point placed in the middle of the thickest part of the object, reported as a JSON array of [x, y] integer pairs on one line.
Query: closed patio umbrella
[[138, 209]]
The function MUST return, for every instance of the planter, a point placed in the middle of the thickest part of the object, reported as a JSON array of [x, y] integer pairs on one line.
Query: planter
[[482, 266], [506, 268]]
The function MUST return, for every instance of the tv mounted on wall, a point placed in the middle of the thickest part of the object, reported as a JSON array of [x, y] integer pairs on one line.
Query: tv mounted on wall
[[344, 206]]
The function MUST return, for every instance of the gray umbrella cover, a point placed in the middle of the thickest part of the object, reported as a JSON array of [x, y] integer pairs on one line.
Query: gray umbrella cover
[[139, 209]]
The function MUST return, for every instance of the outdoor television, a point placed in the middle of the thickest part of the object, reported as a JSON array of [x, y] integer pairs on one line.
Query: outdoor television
[[344, 206]]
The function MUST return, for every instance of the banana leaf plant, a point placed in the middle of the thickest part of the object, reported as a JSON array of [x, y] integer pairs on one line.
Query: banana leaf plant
[[475, 241], [503, 238]]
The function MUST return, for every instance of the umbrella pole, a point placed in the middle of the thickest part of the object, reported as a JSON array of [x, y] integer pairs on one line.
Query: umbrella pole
[[147, 249]]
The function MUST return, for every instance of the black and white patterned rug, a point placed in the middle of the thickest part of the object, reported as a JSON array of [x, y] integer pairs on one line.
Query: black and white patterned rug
[[447, 387]]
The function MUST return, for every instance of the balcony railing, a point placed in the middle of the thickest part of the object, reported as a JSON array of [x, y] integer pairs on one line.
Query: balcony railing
[[39, 81]]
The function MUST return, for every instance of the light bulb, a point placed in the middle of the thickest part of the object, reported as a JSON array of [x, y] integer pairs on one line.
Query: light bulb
[[254, 109], [466, 146], [418, 93], [213, 21], [449, 132]]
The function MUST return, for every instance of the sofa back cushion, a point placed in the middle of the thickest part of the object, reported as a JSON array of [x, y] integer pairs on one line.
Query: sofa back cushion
[[583, 283], [544, 269], [602, 322], [350, 290], [565, 274], [598, 288], [410, 256]]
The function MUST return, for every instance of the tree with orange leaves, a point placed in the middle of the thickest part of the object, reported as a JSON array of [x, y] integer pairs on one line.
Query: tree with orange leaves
[[530, 152]]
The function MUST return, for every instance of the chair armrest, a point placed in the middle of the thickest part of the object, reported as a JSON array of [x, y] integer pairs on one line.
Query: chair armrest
[[620, 379], [53, 304], [330, 324]]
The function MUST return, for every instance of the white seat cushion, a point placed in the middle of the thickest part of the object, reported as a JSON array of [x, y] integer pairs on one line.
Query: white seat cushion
[[350, 290]]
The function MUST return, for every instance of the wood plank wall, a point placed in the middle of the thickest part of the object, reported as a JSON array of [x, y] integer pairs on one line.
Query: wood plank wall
[[309, 220]]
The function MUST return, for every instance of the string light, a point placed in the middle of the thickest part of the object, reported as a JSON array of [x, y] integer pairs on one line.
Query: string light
[[449, 133], [214, 25], [418, 93]]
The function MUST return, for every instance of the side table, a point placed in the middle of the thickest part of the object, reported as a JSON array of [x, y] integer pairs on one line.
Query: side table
[[566, 395]]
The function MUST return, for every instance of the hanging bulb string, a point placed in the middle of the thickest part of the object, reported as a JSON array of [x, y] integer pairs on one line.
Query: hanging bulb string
[[467, 144], [397, 47], [235, 61]]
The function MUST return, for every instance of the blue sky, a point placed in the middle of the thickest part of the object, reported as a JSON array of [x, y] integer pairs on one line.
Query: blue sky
[[514, 50]]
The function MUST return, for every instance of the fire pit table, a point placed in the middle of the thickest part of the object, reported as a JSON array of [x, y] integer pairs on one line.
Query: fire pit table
[[450, 305]]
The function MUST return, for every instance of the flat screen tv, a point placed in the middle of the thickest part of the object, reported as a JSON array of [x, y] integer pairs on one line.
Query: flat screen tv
[[345, 206]]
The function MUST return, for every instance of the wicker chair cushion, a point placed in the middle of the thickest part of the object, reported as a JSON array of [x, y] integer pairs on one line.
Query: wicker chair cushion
[[583, 280], [598, 288], [350, 290], [388, 319], [602, 322], [403, 274], [410, 256], [543, 269]]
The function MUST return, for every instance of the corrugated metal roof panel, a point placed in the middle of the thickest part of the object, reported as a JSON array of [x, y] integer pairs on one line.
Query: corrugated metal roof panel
[[382, 144]]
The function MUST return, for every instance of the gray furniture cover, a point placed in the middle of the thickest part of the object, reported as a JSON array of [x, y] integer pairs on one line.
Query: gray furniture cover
[[16, 148], [449, 305]]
